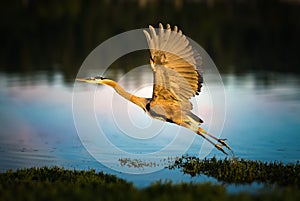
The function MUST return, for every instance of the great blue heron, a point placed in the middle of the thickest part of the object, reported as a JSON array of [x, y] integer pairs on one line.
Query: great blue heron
[[177, 78]]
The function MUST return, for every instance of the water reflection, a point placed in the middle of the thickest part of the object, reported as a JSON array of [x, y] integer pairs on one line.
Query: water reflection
[[268, 116], [37, 128], [35, 120]]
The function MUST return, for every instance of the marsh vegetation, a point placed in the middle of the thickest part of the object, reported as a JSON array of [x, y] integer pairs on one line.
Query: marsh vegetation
[[61, 184], [241, 171]]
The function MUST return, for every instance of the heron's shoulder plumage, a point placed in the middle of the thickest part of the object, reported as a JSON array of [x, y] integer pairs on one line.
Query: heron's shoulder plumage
[[175, 65]]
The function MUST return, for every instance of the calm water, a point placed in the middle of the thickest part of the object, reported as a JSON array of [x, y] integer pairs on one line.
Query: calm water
[[37, 127]]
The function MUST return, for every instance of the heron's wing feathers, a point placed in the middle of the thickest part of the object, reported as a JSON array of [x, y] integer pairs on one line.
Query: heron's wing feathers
[[174, 64]]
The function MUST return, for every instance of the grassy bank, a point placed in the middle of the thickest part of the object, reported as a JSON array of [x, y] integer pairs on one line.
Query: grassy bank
[[60, 184]]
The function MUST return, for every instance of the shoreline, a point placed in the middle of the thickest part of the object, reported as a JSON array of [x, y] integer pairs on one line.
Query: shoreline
[[59, 183]]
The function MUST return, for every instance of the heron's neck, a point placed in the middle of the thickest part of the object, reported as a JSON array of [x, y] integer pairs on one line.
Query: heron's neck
[[135, 99]]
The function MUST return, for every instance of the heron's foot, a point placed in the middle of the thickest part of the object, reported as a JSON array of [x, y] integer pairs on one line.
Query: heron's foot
[[222, 141], [219, 147]]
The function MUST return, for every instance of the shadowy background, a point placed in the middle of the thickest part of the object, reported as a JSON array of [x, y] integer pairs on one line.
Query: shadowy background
[[239, 35]]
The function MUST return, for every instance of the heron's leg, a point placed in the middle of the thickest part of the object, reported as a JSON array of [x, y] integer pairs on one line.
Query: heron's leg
[[222, 141], [218, 146], [199, 131]]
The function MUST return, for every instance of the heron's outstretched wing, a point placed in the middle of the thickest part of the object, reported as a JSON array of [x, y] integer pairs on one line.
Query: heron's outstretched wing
[[175, 66]]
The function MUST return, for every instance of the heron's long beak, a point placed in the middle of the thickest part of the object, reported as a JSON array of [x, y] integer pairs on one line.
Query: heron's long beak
[[89, 80], [82, 79]]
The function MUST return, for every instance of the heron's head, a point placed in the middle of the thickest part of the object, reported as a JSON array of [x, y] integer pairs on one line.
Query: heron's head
[[93, 80]]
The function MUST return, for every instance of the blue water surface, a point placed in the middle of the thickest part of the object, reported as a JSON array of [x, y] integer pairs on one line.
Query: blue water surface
[[262, 122]]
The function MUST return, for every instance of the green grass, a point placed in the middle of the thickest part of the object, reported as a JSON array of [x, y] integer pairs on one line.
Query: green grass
[[60, 184]]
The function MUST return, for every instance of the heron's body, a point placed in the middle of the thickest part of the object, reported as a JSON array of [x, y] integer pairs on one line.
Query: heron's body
[[177, 78]]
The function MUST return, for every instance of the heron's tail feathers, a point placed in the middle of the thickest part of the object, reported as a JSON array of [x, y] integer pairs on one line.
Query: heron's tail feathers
[[209, 137]]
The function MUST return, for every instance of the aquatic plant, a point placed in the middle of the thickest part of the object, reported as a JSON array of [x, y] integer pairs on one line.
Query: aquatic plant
[[141, 164], [241, 170]]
